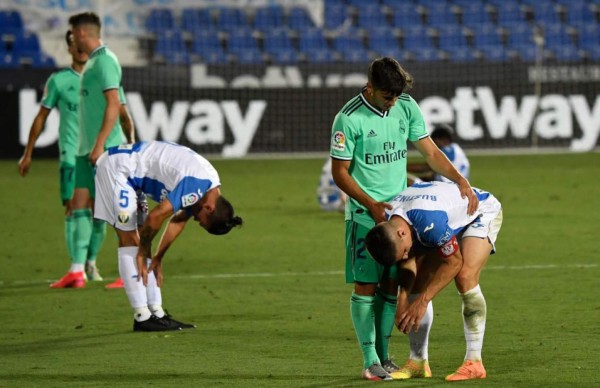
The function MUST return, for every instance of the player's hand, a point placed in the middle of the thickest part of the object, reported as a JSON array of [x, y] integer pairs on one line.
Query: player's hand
[[411, 318], [142, 267], [95, 154], [156, 267], [467, 191], [377, 211], [24, 164]]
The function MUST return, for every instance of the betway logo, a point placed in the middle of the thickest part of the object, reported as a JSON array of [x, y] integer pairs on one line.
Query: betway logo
[[199, 122], [511, 119], [202, 122]]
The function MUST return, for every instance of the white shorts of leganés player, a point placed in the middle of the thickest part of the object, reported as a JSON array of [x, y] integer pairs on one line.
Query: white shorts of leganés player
[[487, 225], [116, 201]]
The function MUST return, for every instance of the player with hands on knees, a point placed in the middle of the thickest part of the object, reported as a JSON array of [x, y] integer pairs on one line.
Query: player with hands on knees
[[431, 238]]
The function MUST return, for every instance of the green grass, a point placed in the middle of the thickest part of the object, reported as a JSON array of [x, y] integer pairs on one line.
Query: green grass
[[270, 301]]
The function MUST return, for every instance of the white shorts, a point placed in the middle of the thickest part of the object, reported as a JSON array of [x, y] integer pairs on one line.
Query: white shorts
[[116, 200], [488, 224]]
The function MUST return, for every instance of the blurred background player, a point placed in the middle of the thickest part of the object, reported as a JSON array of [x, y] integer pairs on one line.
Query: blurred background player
[[62, 92], [329, 196], [186, 186], [369, 139], [101, 105], [434, 215], [443, 136]]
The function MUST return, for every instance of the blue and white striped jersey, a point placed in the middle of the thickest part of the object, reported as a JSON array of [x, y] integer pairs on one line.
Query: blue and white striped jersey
[[436, 211], [458, 158], [166, 170]]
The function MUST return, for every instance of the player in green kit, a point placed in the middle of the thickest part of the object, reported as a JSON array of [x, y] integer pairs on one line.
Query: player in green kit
[[62, 92], [101, 104], [369, 151]]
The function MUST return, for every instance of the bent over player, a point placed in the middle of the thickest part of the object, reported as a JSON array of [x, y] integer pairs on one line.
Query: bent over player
[[186, 186], [435, 215]]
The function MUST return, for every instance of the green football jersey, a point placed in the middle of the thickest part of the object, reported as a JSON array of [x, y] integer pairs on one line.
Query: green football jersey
[[62, 92], [102, 72], [376, 144]]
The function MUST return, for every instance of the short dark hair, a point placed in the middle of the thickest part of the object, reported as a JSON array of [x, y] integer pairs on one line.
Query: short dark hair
[[386, 74], [222, 219], [68, 37], [380, 245], [443, 131], [85, 18]]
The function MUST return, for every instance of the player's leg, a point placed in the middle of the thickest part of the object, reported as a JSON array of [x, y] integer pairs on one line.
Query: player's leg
[[98, 232], [417, 365], [385, 314], [82, 222], [476, 245], [362, 270]]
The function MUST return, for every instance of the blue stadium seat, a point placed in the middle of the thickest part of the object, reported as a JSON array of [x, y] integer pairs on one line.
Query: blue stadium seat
[[350, 47], [382, 40], [266, 18], [11, 23], [428, 55], [299, 20], [417, 37], [249, 57], [451, 37], [313, 45], [440, 14], [206, 44], [509, 14], [26, 43], [230, 19], [588, 36], [476, 13], [485, 35], [9, 61], [545, 12], [593, 53], [462, 55], [194, 19], [579, 13], [241, 39], [335, 15], [468, 3], [277, 44], [557, 35], [160, 19], [566, 53], [495, 54], [371, 15], [405, 15], [520, 35], [170, 47], [320, 56]]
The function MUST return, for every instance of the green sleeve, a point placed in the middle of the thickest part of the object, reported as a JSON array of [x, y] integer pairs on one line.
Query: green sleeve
[[122, 96], [109, 74], [342, 137], [50, 97], [416, 124]]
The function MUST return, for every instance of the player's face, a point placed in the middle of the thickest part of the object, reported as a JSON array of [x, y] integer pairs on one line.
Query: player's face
[[403, 243], [383, 100], [78, 55], [79, 37]]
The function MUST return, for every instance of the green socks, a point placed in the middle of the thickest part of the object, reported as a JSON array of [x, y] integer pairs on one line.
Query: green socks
[[70, 235], [385, 313], [96, 240], [83, 231], [363, 318]]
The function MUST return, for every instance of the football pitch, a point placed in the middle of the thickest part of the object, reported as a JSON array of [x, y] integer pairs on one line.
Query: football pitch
[[270, 301]]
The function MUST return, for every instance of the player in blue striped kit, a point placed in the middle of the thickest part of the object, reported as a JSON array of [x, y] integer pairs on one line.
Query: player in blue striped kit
[[434, 215], [186, 186]]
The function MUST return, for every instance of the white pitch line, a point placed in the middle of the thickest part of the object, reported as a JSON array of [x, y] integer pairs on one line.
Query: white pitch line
[[319, 273]]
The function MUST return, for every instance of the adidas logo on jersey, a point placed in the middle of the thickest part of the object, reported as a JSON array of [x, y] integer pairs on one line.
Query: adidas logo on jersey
[[371, 133]]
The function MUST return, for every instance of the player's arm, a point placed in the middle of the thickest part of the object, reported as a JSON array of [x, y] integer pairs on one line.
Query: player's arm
[[148, 231], [127, 124], [111, 113], [342, 178], [442, 165], [34, 132], [451, 263]]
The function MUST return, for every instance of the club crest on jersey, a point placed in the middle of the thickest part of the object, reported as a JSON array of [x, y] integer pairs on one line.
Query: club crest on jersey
[[448, 249], [189, 199], [338, 141], [123, 217]]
